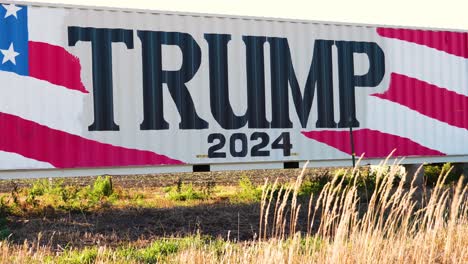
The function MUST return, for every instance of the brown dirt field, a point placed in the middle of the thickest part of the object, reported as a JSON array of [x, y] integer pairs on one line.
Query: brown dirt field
[[223, 178], [116, 226], [120, 226]]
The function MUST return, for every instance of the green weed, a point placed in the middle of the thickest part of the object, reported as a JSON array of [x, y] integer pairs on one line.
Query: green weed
[[432, 172], [85, 256], [102, 187], [247, 193], [53, 193], [313, 186], [184, 192], [160, 249]]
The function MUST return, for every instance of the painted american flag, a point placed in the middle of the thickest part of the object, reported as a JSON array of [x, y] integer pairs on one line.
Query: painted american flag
[[48, 75]]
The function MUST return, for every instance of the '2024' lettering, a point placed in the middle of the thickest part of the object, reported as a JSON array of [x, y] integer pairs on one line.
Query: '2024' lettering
[[259, 149]]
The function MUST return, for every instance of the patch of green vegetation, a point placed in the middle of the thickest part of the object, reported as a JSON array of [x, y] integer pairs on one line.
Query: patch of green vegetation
[[137, 199], [360, 178], [364, 179], [313, 186], [13, 204], [432, 172], [156, 252], [247, 193], [160, 249], [102, 187], [72, 198], [48, 195], [184, 192], [84, 256]]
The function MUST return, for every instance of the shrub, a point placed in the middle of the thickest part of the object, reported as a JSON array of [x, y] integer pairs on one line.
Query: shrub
[[102, 187], [53, 193], [248, 192], [432, 172], [455, 172], [46, 186], [101, 190], [38, 188], [313, 186], [41, 188], [184, 192], [365, 181]]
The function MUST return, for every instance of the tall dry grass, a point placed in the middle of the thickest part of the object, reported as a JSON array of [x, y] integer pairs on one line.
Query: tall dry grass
[[399, 223]]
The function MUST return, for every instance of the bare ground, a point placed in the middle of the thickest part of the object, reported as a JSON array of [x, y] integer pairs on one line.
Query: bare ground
[[117, 226], [223, 178]]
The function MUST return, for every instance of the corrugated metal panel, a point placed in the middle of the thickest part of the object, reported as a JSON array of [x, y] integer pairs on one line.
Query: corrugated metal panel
[[91, 88]]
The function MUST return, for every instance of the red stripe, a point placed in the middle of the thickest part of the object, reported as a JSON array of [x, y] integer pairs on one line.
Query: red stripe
[[55, 65], [64, 150], [430, 100], [374, 144], [455, 43]]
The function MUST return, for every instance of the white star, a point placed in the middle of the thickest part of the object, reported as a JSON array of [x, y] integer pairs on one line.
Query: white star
[[9, 54], [11, 10]]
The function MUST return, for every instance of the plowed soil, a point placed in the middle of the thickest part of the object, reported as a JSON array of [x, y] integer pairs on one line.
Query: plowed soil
[[222, 178], [114, 227]]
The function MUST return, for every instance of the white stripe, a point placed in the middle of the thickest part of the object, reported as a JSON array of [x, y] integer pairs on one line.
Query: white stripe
[[427, 64], [49, 22], [41, 102], [12, 160], [392, 118]]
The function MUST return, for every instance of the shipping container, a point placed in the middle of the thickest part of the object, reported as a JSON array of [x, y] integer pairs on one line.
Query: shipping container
[[88, 90]]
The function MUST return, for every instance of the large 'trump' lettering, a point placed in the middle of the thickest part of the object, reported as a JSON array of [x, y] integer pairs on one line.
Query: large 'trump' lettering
[[283, 79]]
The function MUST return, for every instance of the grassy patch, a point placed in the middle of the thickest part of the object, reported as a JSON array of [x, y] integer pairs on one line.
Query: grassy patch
[[184, 192], [47, 196], [84, 256], [247, 192], [156, 252]]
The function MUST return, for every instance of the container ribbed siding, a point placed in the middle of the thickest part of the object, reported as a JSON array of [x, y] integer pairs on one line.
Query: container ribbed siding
[[110, 90]]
